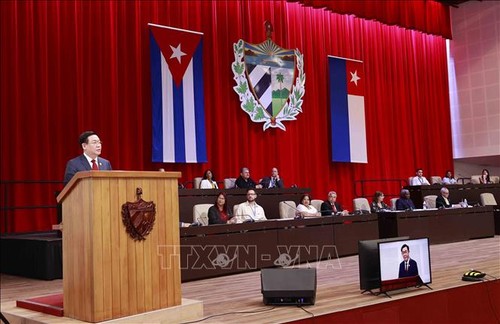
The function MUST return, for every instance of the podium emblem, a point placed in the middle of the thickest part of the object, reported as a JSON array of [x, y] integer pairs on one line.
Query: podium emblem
[[139, 217]]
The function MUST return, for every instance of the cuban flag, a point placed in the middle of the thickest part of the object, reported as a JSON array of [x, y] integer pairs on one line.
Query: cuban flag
[[347, 110], [178, 99]]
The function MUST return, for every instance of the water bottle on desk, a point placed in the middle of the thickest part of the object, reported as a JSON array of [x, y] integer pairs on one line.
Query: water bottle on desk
[[424, 205], [465, 203]]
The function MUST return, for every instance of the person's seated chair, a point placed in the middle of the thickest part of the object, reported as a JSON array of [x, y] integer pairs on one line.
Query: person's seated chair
[[200, 213], [436, 180], [362, 205], [495, 179], [393, 203], [487, 199], [229, 183], [430, 201], [196, 182], [475, 179], [287, 209], [316, 203]]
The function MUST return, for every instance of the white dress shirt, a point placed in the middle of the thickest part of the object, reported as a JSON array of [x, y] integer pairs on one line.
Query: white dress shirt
[[249, 212], [419, 181]]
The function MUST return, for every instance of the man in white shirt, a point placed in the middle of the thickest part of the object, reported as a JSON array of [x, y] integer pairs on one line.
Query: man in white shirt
[[419, 180], [249, 211]]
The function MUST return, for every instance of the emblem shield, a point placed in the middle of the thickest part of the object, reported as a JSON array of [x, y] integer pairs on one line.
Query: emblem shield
[[270, 71], [139, 217]]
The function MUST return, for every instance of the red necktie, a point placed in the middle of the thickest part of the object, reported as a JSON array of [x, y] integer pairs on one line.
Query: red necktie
[[94, 165]]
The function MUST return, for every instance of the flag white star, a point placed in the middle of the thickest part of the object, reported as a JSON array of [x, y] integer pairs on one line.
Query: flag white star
[[177, 53], [355, 77]]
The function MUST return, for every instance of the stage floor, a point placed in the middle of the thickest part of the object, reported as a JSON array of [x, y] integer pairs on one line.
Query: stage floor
[[337, 290]]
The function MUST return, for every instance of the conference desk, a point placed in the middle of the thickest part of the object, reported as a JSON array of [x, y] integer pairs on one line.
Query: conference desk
[[268, 198], [215, 250], [439, 225], [458, 192]]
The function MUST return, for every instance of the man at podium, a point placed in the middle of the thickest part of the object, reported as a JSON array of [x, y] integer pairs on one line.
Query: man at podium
[[89, 160]]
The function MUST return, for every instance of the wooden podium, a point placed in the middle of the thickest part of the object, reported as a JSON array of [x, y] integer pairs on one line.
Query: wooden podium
[[106, 273]]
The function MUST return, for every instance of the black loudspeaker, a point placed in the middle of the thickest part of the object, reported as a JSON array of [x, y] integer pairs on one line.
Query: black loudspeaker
[[288, 286]]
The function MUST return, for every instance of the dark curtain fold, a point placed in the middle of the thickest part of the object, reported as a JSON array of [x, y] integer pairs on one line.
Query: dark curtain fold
[[70, 66]]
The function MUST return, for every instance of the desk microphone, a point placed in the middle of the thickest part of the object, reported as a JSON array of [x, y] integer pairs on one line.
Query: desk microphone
[[247, 218]]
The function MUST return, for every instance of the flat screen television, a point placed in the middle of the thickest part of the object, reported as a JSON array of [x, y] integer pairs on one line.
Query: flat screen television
[[404, 263], [369, 267]]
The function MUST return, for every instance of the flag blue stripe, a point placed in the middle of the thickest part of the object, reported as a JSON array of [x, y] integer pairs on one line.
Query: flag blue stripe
[[199, 104], [339, 114], [157, 126], [180, 142]]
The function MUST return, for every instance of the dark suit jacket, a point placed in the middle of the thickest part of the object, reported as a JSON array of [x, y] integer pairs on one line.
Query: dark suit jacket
[[404, 204], [327, 209], [266, 180], [214, 216], [241, 183], [412, 269], [80, 163], [441, 203]]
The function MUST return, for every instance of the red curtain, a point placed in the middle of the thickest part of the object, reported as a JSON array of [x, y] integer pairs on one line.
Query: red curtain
[[427, 16], [70, 66]]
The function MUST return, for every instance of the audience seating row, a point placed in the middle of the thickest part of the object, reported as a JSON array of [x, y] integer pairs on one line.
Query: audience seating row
[[473, 179], [486, 199], [287, 209]]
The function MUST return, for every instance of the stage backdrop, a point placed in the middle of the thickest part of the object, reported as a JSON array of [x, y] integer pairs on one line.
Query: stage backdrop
[[70, 66]]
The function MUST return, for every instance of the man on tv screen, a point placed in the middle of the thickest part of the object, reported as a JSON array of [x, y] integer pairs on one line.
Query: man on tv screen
[[408, 267]]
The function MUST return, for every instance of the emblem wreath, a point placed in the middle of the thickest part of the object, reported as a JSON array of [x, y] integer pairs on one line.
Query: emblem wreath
[[251, 105]]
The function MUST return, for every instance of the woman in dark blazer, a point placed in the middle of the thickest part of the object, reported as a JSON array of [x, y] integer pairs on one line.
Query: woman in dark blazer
[[219, 213]]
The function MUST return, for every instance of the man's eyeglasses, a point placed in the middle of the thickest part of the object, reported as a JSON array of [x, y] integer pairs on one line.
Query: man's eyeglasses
[[95, 142]]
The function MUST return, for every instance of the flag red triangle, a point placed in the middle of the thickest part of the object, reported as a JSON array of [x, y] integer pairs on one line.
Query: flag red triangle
[[177, 46]]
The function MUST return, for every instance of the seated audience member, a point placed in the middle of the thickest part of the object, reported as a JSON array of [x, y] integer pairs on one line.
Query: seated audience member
[[208, 181], [404, 202], [419, 179], [448, 178], [274, 181], [331, 207], [249, 211], [442, 200], [219, 213], [378, 203], [305, 209], [244, 180], [485, 177]]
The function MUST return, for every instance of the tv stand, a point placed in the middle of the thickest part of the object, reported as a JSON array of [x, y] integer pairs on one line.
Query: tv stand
[[370, 291], [400, 283]]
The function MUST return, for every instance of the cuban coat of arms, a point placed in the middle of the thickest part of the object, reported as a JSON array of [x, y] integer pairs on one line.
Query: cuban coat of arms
[[269, 81]]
